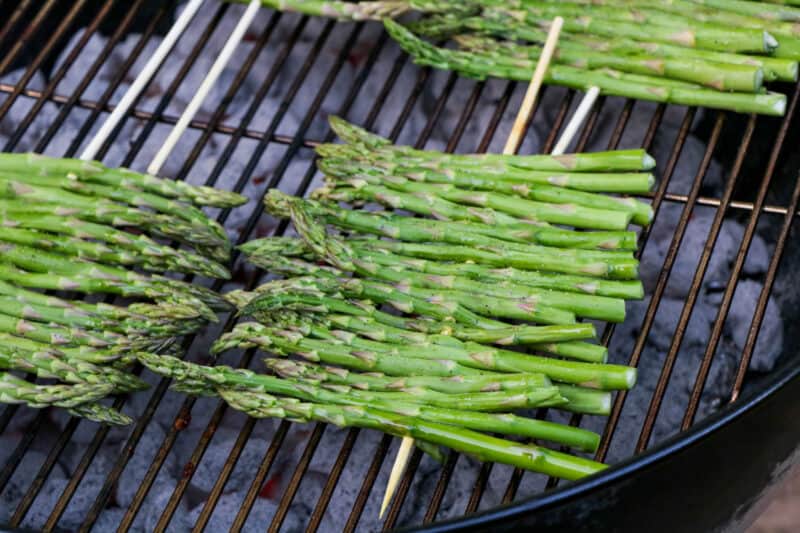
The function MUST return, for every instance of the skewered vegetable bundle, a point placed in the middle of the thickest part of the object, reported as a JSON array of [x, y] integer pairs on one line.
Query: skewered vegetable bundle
[[714, 54], [415, 326], [77, 226]]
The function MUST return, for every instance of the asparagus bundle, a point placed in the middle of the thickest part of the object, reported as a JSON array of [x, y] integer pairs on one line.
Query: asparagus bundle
[[442, 360], [79, 226], [714, 53], [481, 65]]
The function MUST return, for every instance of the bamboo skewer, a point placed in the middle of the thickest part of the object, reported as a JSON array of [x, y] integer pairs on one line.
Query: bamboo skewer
[[205, 87], [512, 145]]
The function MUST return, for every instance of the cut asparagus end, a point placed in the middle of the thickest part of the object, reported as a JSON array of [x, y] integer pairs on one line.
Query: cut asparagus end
[[770, 43]]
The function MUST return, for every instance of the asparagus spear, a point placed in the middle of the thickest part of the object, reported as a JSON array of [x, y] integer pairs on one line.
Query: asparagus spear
[[140, 245], [719, 76], [395, 193], [203, 231], [461, 440], [774, 68], [228, 379], [481, 66], [584, 262], [603, 376], [262, 252], [70, 246], [50, 364], [618, 21], [98, 412], [381, 382], [455, 232], [502, 256], [498, 174], [15, 390], [641, 212], [500, 301], [694, 16], [615, 161], [94, 171], [134, 198], [417, 332], [503, 334], [507, 424], [50, 271], [756, 9]]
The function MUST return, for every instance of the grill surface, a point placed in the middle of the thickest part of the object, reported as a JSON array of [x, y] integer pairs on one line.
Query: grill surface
[[306, 69]]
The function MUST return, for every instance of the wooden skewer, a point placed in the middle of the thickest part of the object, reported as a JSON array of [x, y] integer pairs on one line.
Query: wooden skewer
[[576, 121], [511, 147], [142, 79], [205, 87]]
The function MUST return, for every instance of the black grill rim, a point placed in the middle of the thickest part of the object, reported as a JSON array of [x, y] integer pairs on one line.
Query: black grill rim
[[723, 419]]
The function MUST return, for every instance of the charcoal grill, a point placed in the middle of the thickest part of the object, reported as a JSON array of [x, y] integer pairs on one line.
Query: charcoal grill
[[709, 474]]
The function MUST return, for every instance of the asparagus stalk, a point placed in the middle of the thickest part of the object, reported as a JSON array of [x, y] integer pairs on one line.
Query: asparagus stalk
[[50, 364], [19, 391], [468, 233], [500, 301], [601, 264], [45, 270], [756, 9], [97, 412], [118, 216], [141, 247], [134, 198], [660, 26], [615, 161], [69, 246], [719, 76], [640, 212], [574, 215], [272, 305], [343, 10], [381, 382], [481, 66], [774, 68], [202, 230], [58, 335], [229, 379], [502, 256], [96, 172], [507, 424], [687, 13], [479, 357], [465, 441], [493, 175], [262, 252]]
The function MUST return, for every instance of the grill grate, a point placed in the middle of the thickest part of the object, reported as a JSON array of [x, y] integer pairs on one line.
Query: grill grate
[[308, 68]]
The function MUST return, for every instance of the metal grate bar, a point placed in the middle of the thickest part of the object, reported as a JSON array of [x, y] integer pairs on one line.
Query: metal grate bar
[[619, 401], [58, 76], [666, 270], [747, 238], [46, 50], [13, 19], [27, 35], [763, 298], [708, 249]]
